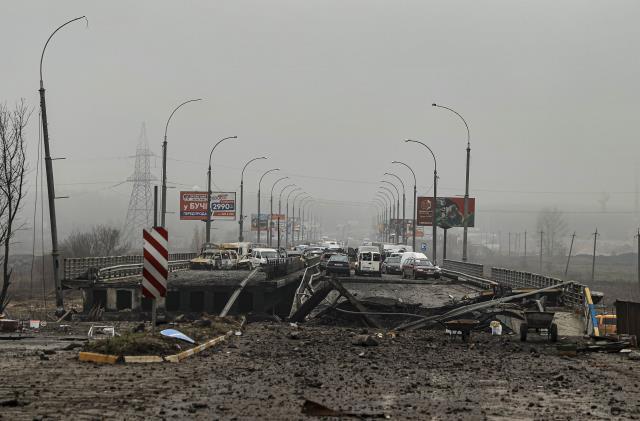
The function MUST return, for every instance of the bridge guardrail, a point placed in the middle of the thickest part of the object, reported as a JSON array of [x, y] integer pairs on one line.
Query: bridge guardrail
[[471, 279], [89, 267], [468, 268], [573, 294]]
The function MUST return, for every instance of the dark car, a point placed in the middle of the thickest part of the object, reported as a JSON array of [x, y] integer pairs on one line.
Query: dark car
[[391, 265], [420, 268], [339, 264], [324, 258]]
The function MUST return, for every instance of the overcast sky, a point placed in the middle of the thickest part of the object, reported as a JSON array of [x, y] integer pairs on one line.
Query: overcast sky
[[328, 90]]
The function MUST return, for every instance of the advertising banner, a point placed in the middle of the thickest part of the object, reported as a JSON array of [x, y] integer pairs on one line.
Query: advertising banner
[[264, 219], [223, 206], [193, 205], [450, 212]]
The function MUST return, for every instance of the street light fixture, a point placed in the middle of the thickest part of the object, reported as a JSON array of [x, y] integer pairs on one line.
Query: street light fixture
[[397, 206], [280, 211], [208, 228], [241, 222], [389, 201], [271, 211], [306, 201], [259, 191], [466, 189], [293, 235], [414, 200], [404, 203], [51, 194], [434, 221], [286, 221], [164, 162]]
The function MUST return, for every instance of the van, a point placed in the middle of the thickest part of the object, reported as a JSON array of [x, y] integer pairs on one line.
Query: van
[[368, 263], [260, 256]]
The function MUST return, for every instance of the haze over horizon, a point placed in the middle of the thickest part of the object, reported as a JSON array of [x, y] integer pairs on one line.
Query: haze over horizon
[[548, 89]]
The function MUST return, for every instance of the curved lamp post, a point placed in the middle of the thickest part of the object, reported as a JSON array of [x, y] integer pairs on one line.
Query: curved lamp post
[[380, 215], [208, 221], [414, 200], [164, 162], [389, 205], [51, 194], [280, 211], [434, 221], [404, 203], [293, 235], [271, 210], [392, 209], [286, 219], [259, 191], [293, 213], [466, 188], [397, 210], [241, 222], [305, 213]]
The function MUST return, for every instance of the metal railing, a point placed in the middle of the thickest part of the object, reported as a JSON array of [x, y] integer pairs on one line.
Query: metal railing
[[89, 267], [573, 294], [134, 269], [275, 268], [468, 268]]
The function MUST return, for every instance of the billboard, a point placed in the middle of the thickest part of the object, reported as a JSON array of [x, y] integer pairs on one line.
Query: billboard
[[193, 205], [450, 212], [264, 219], [223, 206]]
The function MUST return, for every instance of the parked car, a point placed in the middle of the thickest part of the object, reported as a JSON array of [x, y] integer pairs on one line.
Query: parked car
[[324, 259], [260, 256], [391, 265], [339, 264], [409, 254], [211, 259], [420, 268]]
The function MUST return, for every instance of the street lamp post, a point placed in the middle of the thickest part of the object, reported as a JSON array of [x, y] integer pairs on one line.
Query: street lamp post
[[280, 211], [286, 219], [293, 212], [380, 213], [385, 216], [392, 208], [307, 201], [164, 162], [389, 212], [208, 228], [51, 194], [466, 189], [414, 200], [404, 203], [241, 222], [271, 211], [259, 191], [397, 207], [434, 221]]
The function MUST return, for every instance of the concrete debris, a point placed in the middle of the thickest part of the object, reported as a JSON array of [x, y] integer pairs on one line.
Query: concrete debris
[[365, 340], [316, 409]]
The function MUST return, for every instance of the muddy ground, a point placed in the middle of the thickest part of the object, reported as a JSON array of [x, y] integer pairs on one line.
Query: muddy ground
[[269, 371]]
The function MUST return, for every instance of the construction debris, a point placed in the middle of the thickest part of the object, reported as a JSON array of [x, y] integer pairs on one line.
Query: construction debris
[[316, 409]]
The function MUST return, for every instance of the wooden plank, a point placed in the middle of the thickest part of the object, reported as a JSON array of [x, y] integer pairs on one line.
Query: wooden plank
[[189, 352], [140, 359], [97, 358], [362, 309]]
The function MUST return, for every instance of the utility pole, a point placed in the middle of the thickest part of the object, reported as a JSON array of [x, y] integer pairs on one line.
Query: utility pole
[[541, 234], [638, 254], [566, 269], [593, 260], [525, 247], [509, 243], [51, 195]]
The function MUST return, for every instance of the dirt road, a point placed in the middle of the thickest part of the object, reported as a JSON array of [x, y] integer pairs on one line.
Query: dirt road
[[269, 372]]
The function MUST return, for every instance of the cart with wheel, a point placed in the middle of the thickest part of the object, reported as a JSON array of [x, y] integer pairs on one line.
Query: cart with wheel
[[541, 322]]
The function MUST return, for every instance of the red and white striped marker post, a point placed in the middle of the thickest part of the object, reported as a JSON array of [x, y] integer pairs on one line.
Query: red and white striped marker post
[[155, 269]]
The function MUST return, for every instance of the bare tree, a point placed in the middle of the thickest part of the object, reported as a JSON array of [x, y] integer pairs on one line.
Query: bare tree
[[12, 173], [552, 223], [100, 240]]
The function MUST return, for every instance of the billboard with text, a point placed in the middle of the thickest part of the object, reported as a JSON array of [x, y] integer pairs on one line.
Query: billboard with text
[[193, 205], [223, 206]]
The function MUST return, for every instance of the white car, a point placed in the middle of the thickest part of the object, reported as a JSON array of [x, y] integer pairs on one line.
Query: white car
[[409, 254], [260, 256]]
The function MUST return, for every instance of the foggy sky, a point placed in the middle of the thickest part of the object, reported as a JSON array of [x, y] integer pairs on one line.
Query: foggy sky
[[328, 90]]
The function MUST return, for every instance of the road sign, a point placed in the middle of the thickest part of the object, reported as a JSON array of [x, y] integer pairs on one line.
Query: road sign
[[155, 268], [423, 246]]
